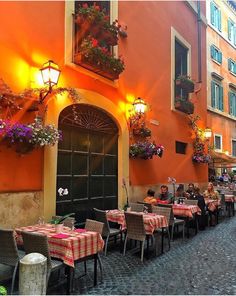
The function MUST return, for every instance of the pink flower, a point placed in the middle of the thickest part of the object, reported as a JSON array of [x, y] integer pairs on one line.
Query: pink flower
[[85, 5], [94, 42]]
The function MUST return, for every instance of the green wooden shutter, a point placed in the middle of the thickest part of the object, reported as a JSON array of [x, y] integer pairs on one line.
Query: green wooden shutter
[[221, 99], [230, 104], [234, 38], [212, 51], [229, 64], [212, 13], [213, 94], [219, 20], [229, 30], [220, 57], [234, 67]]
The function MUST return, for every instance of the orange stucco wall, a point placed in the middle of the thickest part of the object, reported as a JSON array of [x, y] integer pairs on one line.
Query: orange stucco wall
[[33, 32]]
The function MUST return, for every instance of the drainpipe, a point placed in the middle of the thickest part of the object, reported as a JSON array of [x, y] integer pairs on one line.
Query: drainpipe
[[199, 39]]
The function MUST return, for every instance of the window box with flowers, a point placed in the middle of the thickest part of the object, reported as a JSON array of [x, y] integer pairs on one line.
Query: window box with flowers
[[94, 38], [184, 105], [24, 138], [185, 83]]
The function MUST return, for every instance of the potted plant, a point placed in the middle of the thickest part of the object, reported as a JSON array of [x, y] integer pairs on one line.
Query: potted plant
[[145, 150], [57, 221], [142, 132], [185, 82], [184, 105]]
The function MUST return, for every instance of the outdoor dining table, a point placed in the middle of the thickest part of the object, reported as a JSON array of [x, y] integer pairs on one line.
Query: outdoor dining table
[[151, 221], [184, 210], [70, 246], [212, 204], [188, 212]]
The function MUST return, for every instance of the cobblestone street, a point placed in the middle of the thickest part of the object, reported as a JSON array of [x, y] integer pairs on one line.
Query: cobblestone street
[[203, 264]]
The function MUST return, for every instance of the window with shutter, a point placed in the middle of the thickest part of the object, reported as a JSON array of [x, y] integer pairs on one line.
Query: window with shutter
[[216, 54], [232, 66], [234, 148], [232, 103], [217, 96], [217, 142], [221, 99], [215, 16]]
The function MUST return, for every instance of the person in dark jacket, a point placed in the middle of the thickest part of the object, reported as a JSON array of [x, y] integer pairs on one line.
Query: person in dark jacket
[[201, 204]]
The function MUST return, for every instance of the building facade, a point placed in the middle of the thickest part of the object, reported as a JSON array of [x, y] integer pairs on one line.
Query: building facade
[[92, 162], [221, 77]]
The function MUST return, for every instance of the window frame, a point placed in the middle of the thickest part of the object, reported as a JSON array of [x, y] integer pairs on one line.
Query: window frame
[[221, 143], [217, 101], [232, 35], [234, 105], [233, 140], [219, 54], [215, 20], [231, 61], [175, 35]]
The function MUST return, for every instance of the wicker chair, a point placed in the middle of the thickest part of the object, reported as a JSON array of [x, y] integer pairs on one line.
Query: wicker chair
[[9, 254], [146, 205], [136, 207], [108, 232], [135, 230], [173, 221], [68, 222], [38, 243], [92, 225], [164, 211]]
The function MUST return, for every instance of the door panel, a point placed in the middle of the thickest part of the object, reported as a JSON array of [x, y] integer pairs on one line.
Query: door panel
[[87, 162]]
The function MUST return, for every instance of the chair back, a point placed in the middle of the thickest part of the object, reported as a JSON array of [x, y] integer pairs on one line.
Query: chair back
[[93, 225], [101, 216], [193, 202], [222, 198], [165, 205], [37, 243], [164, 211], [135, 226], [136, 207], [8, 249], [147, 205], [68, 222]]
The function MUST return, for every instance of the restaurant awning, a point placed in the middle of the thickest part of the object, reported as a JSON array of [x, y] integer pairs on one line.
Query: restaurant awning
[[221, 160]]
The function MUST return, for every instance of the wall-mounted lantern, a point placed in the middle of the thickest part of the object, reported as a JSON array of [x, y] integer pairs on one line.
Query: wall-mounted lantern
[[50, 75], [139, 106], [207, 133]]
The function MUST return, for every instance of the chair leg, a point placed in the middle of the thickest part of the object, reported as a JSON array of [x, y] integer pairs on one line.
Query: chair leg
[[125, 245], [142, 251], [183, 229], [162, 240], [85, 267], [13, 278], [106, 243], [168, 233], [101, 267], [172, 231]]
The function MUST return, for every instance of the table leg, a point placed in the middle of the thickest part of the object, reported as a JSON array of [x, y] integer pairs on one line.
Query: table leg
[[187, 223], [162, 240], [95, 269], [70, 275]]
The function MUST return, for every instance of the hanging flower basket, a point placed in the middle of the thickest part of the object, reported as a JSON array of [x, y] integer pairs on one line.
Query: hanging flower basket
[[145, 150], [142, 132], [186, 83], [201, 158], [23, 138]]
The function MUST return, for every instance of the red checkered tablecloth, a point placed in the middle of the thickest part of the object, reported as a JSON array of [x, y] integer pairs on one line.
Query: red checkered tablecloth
[[212, 204], [186, 210], [76, 246], [151, 220], [230, 198]]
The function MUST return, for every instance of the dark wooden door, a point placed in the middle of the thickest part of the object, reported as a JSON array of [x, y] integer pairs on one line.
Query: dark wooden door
[[87, 162]]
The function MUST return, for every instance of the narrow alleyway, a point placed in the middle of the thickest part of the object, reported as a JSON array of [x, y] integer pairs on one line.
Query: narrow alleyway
[[203, 264]]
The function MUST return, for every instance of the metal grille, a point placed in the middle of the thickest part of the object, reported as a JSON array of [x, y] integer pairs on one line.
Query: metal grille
[[87, 117]]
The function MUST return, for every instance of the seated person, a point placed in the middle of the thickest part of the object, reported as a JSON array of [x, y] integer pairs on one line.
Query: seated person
[[165, 196], [180, 191], [211, 193], [201, 204], [190, 191], [150, 197]]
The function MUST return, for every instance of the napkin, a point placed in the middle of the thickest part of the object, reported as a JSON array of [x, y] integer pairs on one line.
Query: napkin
[[61, 235], [80, 230]]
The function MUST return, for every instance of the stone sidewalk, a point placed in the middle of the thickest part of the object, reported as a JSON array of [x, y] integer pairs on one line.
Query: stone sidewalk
[[204, 264]]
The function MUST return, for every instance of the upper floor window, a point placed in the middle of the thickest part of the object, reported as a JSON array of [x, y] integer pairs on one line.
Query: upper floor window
[[215, 16], [181, 67], [218, 142], [232, 103], [216, 54], [234, 148], [232, 66], [232, 31], [217, 101]]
